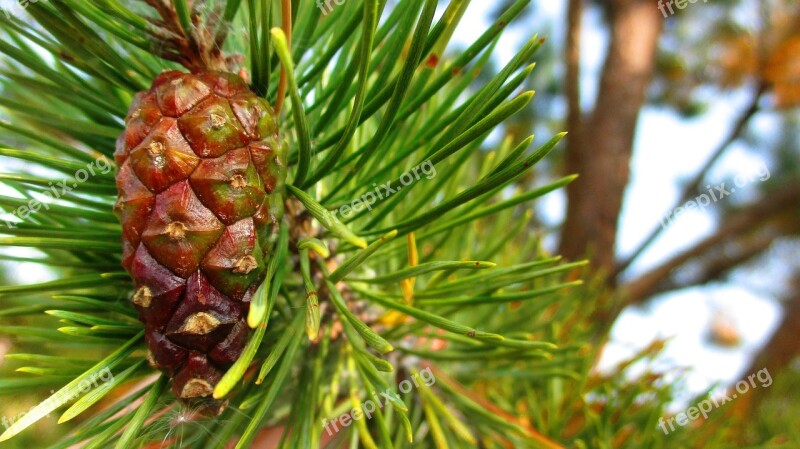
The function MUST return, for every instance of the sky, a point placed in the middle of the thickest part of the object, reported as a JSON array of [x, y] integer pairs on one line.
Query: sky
[[668, 149]]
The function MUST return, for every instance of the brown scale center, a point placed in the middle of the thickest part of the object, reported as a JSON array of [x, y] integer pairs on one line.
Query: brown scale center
[[143, 297], [238, 182], [176, 230], [245, 265], [196, 388], [217, 121], [156, 148], [200, 323]]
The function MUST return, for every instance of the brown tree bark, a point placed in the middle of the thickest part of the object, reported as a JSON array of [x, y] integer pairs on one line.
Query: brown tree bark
[[600, 146]]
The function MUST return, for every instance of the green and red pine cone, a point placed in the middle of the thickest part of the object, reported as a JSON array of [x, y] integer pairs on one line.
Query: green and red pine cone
[[201, 167]]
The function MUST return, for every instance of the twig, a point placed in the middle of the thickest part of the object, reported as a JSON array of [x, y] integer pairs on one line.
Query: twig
[[193, 48], [694, 185], [716, 264], [286, 23], [740, 224]]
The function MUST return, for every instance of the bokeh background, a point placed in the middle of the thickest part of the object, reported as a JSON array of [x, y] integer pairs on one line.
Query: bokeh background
[[718, 89]]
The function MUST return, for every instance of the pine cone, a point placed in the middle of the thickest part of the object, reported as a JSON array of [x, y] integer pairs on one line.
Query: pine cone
[[200, 180]]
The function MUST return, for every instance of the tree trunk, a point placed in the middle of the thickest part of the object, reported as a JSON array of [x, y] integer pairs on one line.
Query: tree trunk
[[600, 147]]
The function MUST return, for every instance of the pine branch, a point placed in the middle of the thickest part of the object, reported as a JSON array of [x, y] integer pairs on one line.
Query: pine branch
[[695, 184], [731, 230]]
